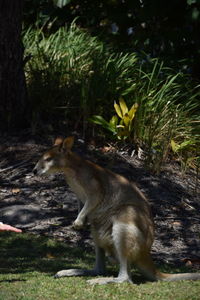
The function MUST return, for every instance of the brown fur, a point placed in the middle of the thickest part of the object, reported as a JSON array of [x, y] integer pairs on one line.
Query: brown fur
[[119, 214]]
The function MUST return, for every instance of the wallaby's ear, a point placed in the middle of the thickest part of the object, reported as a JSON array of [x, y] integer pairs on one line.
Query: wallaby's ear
[[58, 141], [68, 143]]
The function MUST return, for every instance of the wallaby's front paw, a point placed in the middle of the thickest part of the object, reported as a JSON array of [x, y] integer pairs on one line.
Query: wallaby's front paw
[[78, 224]]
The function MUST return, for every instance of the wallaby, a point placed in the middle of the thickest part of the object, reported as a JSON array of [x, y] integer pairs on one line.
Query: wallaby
[[119, 215]]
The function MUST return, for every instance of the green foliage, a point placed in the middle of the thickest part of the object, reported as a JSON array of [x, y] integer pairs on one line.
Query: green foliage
[[167, 110], [72, 73], [188, 153], [72, 76], [122, 128], [59, 69], [172, 36], [110, 126], [168, 107], [61, 3]]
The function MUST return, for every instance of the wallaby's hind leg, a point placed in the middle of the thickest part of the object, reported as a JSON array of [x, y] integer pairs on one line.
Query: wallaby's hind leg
[[123, 276], [118, 234], [99, 268], [146, 266]]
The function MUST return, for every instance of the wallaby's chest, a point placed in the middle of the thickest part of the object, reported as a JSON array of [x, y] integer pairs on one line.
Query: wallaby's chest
[[78, 189]]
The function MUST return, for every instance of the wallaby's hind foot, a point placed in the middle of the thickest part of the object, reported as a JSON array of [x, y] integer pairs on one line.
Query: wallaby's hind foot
[[76, 272], [105, 280]]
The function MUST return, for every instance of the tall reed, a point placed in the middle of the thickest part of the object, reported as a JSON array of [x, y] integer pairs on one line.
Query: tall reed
[[168, 111]]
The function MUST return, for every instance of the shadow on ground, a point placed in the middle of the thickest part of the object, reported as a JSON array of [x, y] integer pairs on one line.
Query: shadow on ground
[[46, 206], [27, 252]]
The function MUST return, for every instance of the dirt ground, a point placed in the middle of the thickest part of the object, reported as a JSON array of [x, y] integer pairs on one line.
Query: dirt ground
[[47, 206]]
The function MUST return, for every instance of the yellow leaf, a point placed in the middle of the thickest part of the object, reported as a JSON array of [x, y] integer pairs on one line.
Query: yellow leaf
[[126, 120], [50, 256], [133, 110], [174, 146], [123, 106], [118, 110]]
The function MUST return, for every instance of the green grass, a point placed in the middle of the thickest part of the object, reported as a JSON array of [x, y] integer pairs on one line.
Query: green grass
[[28, 262]]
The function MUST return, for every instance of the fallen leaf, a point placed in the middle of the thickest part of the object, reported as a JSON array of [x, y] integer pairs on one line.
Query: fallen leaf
[[16, 191], [50, 256], [176, 223], [190, 262], [107, 149]]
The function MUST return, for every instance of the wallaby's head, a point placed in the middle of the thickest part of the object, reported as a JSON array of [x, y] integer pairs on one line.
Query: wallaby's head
[[56, 158]]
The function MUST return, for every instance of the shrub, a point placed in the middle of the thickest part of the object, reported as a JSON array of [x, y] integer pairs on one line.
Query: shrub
[[73, 72], [72, 76]]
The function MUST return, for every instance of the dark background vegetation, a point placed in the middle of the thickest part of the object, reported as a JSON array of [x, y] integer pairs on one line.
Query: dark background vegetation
[[169, 29]]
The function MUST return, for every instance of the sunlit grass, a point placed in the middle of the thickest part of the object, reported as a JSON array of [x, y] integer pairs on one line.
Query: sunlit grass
[[28, 263]]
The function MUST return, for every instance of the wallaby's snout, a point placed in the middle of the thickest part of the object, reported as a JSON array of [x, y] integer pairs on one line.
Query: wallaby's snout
[[35, 171], [43, 166], [38, 170]]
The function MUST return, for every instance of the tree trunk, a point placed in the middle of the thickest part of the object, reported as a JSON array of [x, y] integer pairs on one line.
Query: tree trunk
[[13, 103]]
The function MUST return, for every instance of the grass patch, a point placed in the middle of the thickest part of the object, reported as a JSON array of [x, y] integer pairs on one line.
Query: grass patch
[[27, 263]]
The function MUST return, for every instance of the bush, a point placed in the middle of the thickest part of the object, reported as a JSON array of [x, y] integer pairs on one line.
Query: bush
[[72, 76], [75, 73], [168, 110]]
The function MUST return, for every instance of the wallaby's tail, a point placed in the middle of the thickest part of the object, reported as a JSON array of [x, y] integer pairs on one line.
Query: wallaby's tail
[[176, 277], [147, 267]]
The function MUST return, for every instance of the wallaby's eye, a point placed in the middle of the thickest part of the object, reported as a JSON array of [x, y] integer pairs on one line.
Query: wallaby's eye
[[48, 159]]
